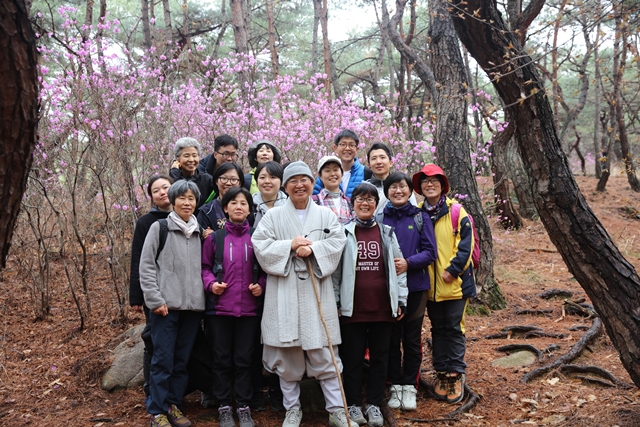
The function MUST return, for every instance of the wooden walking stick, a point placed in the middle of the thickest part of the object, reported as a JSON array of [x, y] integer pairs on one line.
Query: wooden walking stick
[[326, 330]]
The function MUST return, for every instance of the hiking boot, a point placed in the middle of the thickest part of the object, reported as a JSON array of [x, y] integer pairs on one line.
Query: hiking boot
[[456, 387], [275, 400], [396, 396], [226, 417], [339, 419], [293, 418], [176, 418], [374, 416], [442, 385], [207, 401], [244, 417], [355, 413], [409, 398], [258, 402], [160, 421]]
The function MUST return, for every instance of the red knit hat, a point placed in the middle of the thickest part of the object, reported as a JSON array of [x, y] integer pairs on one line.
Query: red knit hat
[[431, 170]]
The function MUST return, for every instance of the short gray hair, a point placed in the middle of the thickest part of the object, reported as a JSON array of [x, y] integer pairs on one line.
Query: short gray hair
[[181, 187], [185, 143]]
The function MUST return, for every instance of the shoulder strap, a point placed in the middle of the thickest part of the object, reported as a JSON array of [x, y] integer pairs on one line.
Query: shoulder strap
[[219, 235], [164, 231], [417, 218], [455, 217]]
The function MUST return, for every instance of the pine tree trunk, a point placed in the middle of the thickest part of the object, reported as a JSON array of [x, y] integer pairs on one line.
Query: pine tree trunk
[[609, 280], [18, 112], [452, 137]]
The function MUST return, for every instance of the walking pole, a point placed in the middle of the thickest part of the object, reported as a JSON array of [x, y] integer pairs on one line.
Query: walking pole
[[326, 330]]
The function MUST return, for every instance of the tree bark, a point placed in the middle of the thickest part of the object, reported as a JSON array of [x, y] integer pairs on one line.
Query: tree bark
[[146, 25], [271, 28], [597, 99], [317, 11], [508, 216], [167, 20], [609, 280], [526, 204], [325, 46], [18, 112], [618, 70]]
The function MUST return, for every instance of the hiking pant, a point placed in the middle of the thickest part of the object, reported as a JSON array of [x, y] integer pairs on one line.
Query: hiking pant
[[404, 366], [173, 336], [447, 333], [232, 349], [355, 338]]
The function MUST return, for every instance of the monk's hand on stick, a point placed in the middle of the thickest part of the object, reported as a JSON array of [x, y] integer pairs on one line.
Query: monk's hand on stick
[[300, 241], [303, 251]]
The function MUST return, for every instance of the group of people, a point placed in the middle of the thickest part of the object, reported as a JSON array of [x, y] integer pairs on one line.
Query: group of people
[[300, 273]]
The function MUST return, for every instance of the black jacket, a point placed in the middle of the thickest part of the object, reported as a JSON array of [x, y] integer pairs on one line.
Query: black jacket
[[203, 180], [139, 234]]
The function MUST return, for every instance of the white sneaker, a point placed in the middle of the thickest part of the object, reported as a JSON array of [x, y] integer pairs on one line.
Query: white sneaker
[[339, 419], [409, 398], [395, 401], [355, 414], [292, 418], [374, 416]]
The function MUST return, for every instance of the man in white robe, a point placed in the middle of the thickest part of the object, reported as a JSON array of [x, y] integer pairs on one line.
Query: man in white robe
[[294, 338]]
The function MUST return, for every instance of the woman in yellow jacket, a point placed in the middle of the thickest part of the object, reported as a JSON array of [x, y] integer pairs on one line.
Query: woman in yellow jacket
[[452, 283]]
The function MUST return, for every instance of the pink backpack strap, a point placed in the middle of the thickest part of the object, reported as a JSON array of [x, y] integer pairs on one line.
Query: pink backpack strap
[[455, 216]]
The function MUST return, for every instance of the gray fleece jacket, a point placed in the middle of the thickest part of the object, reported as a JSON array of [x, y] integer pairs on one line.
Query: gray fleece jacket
[[175, 280]]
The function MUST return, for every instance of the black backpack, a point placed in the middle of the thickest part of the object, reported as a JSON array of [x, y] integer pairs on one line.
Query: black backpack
[[164, 232]]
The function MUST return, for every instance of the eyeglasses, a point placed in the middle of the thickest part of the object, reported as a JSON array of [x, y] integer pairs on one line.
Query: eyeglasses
[[369, 200], [295, 182], [352, 146], [395, 188], [225, 180], [432, 181], [228, 155]]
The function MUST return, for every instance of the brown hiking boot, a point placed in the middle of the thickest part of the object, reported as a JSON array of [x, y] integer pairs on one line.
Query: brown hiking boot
[[456, 387], [442, 385], [160, 421], [176, 418]]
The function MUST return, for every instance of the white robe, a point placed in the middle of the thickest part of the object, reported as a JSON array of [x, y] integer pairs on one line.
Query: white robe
[[291, 317]]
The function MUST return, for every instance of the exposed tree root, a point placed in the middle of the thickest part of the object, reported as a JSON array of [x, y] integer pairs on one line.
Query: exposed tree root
[[594, 380], [388, 416], [471, 399], [509, 331], [541, 312], [551, 293], [538, 334], [580, 309], [575, 351], [601, 372], [520, 347], [579, 328], [551, 348]]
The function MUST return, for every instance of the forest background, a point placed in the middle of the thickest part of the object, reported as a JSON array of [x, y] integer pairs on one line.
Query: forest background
[[121, 81]]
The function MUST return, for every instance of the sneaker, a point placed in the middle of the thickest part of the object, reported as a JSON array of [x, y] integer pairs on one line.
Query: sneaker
[[442, 385], [226, 417], [396, 396], [293, 418], [374, 416], [207, 401], [409, 398], [355, 413], [275, 400], [339, 419], [456, 387], [160, 421], [176, 418], [258, 402], [244, 417]]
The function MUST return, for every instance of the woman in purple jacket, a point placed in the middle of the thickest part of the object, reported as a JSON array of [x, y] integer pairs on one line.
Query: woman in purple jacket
[[231, 320], [417, 241]]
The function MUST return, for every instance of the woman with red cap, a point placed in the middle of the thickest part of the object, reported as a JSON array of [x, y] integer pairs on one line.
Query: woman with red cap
[[452, 283]]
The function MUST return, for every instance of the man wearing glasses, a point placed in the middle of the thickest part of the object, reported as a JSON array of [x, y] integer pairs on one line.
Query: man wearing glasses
[[346, 148]]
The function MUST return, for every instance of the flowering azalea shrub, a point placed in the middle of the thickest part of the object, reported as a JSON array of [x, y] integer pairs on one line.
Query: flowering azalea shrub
[[109, 118]]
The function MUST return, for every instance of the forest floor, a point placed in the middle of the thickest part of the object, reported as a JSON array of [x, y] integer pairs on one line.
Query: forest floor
[[50, 372]]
